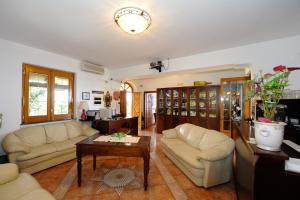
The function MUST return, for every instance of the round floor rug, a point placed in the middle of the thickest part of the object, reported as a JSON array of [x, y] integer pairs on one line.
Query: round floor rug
[[119, 177]]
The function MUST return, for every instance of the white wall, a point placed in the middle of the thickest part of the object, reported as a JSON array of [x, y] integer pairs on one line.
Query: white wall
[[261, 56], [12, 55], [179, 80]]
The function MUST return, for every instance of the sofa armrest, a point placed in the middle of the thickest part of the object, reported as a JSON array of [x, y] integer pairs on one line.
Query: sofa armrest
[[218, 152], [170, 133], [11, 144], [89, 131], [8, 172]]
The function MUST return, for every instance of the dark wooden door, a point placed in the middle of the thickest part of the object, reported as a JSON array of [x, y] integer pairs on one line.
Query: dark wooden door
[[123, 102]]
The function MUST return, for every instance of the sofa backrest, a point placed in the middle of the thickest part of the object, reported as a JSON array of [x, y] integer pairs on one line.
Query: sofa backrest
[[183, 130], [74, 129], [195, 135], [56, 133], [212, 138], [199, 137], [42, 134], [32, 136]]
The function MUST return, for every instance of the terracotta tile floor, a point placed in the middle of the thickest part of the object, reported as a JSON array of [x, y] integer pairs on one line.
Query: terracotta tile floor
[[52, 179]]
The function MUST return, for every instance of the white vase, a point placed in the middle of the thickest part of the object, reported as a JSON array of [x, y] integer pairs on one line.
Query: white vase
[[269, 136]]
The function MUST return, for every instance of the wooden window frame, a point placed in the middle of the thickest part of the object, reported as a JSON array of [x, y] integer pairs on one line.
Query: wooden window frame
[[51, 73]]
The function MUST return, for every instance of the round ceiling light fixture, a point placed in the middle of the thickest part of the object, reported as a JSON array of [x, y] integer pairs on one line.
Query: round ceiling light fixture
[[132, 20]]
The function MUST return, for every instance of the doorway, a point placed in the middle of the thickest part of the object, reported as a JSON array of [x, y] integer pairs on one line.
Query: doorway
[[149, 108], [126, 99]]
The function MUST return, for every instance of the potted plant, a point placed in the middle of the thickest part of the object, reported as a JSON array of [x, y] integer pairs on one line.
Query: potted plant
[[269, 89]]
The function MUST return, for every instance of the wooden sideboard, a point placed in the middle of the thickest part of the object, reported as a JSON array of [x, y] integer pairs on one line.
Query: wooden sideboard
[[109, 126], [260, 174]]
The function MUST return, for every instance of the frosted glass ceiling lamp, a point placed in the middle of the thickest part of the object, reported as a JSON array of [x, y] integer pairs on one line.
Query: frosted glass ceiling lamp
[[132, 20]]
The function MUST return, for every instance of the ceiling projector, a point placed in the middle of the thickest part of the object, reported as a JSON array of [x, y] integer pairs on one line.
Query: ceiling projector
[[156, 65]]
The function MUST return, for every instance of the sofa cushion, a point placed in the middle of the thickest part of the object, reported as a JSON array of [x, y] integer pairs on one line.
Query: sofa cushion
[[78, 139], [211, 139], [45, 158], [184, 151], [56, 133], [183, 130], [8, 172], [37, 194], [67, 144], [196, 172], [88, 131], [74, 129], [218, 152], [38, 151], [32, 136], [18, 187], [170, 133], [195, 135]]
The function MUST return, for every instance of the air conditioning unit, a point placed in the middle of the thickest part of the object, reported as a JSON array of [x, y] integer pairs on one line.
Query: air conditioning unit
[[92, 68]]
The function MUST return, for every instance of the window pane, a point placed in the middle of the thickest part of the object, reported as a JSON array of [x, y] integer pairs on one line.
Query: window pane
[[126, 87], [38, 86], [61, 96]]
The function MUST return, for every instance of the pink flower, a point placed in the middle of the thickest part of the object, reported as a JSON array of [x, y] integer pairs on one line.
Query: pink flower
[[279, 68]]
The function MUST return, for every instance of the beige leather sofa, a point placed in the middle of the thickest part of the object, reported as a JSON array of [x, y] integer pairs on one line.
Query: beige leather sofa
[[15, 186], [39, 147], [205, 156]]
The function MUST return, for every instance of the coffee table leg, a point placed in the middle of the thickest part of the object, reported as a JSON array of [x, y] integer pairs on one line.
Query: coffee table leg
[[146, 170], [78, 167], [94, 162]]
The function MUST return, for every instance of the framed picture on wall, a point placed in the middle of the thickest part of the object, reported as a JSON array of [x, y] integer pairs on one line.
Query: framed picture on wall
[[85, 96]]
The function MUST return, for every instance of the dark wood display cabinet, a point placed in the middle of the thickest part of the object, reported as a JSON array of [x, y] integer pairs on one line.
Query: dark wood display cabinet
[[197, 105]]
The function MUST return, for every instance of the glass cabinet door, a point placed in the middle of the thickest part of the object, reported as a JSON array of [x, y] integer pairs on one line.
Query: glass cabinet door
[[226, 106], [160, 102], [168, 101], [237, 100], [175, 102], [233, 106], [184, 102], [202, 103], [192, 99], [212, 103]]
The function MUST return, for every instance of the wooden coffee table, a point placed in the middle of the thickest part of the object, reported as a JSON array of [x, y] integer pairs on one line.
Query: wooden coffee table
[[91, 147]]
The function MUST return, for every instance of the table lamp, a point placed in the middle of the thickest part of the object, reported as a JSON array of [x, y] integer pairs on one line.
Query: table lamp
[[84, 106]]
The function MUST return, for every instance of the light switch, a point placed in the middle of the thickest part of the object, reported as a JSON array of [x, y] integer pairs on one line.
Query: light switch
[[1, 119]]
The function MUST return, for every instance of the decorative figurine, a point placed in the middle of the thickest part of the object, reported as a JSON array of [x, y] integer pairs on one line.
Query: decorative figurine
[[107, 99]]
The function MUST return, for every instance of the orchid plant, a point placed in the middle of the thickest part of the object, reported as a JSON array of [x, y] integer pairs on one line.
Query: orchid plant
[[269, 89]]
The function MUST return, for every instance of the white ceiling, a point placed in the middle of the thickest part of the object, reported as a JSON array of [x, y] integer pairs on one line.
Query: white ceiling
[[85, 30]]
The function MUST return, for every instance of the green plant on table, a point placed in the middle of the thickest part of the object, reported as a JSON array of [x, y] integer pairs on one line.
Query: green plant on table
[[269, 89], [119, 135]]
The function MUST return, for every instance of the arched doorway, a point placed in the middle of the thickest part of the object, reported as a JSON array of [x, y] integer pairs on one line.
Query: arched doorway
[[126, 99]]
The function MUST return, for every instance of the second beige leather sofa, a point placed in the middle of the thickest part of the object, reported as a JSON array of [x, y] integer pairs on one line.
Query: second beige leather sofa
[[204, 155]]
